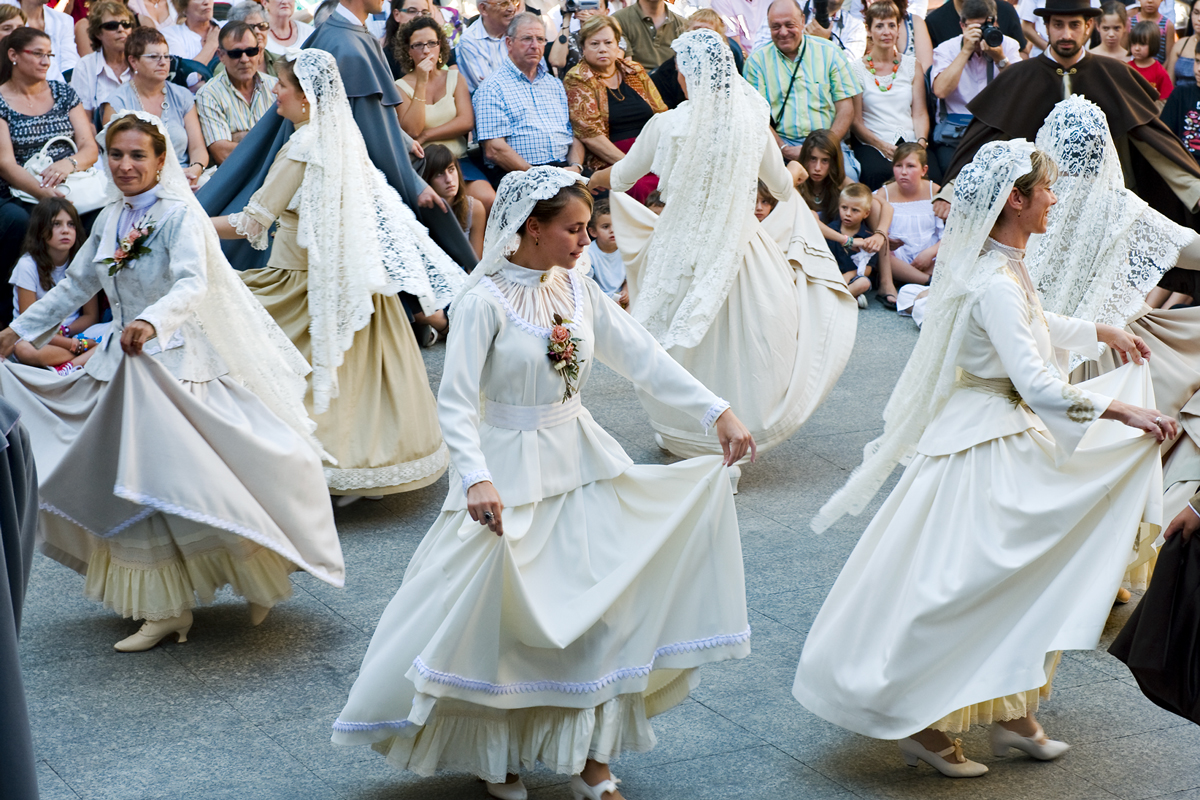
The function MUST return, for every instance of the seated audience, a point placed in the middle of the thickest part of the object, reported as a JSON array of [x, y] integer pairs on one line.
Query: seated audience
[[34, 110], [845, 30], [159, 14], [195, 37], [562, 53], [521, 116], [284, 29], [402, 13], [820, 96], [482, 48], [437, 106], [443, 173], [150, 91], [655, 202], [608, 269], [40, 15], [610, 99], [891, 109], [55, 234], [764, 202], [1143, 43], [849, 247], [255, 17], [649, 26], [915, 232], [102, 71], [231, 103], [11, 18]]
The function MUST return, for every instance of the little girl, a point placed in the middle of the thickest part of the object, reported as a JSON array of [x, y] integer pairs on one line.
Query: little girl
[[442, 173], [1143, 40], [821, 188], [916, 231], [1148, 12], [1114, 24], [51, 241]]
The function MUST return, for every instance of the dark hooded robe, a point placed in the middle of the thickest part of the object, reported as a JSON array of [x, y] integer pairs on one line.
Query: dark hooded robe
[[1016, 103], [373, 98], [18, 525]]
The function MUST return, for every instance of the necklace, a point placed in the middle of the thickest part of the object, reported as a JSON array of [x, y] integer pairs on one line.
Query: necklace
[[615, 91], [871, 69], [165, 104]]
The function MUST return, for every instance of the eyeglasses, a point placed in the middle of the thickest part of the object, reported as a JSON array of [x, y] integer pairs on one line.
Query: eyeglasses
[[157, 58], [39, 55], [114, 24], [261, 27], [235, 55], [423, 46], [501, 4]]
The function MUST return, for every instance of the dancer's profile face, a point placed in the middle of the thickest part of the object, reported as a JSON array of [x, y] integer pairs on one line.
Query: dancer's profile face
[[562, 239], [1035, 214]]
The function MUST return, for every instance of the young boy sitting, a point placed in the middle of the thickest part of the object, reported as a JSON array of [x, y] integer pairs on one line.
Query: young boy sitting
[[855, 263], [655, 203], [608, 269]]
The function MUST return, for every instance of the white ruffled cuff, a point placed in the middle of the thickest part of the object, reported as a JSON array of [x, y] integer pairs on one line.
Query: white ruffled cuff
[[254, 231], [472, 478], [715, 410]]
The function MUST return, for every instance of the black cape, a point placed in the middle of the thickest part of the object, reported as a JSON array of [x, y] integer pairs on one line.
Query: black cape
[[1017, 102], [1161, 642], [18, 525], [373, 97]]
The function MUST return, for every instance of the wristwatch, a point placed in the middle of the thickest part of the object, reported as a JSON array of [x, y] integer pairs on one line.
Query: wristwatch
[[1002, 63], [562, 38]]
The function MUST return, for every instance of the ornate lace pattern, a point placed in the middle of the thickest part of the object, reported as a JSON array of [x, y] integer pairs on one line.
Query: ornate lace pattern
[[247, 224], [715, 410], [529, 327], [1104, 247], [964, 269], [472, 478], [707, 161], [394, 475]]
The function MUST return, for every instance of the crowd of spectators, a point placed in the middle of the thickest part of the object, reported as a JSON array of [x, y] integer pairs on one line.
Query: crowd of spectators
[[878, 94]]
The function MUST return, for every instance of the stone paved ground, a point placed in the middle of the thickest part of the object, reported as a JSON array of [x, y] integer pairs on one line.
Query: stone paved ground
[[239, 712]]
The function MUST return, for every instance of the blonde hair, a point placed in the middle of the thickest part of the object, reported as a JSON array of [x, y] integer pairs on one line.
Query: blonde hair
[[1044, 173], [8, 12], [593, 25], [707, 18], [857, 192]]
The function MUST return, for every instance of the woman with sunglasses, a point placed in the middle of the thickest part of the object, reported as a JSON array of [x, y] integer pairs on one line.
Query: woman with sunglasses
[[148, 90], [103, 71]]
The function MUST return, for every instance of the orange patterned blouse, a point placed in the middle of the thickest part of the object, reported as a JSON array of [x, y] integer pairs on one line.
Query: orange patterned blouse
[[587, 100]]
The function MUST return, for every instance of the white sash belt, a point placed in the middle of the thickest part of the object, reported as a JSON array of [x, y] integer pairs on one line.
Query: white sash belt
[[532, 418]]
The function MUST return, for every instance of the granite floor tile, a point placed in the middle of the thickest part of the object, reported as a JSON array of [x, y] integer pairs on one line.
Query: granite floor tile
[[1159, 762]]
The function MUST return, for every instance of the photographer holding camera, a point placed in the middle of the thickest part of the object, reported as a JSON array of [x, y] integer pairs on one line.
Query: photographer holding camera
[[562, 51], [962, 67]]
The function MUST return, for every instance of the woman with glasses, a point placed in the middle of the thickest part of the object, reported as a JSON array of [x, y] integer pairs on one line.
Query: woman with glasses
[[285, 31], [103, 71], [149, 91], [437, 106], [33, 111]]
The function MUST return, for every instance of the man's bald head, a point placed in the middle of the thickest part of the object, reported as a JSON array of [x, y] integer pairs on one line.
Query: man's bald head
[[786, 21]]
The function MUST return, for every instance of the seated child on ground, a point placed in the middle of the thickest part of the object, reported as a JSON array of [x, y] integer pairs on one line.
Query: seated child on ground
[[608, 270]]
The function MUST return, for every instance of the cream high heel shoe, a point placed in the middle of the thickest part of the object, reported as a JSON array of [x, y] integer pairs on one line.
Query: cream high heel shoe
[[508, 791], [914, 751], [1040, 746], [735, 475], [583, 791], [154, 631]]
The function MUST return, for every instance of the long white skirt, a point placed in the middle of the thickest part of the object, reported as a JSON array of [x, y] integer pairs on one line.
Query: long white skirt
[[978, 568], [555, 642], [775, 349], [161, 492]]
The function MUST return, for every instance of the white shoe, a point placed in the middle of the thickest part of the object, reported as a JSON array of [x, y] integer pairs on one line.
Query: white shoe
[[1040, 746], [154, 631], [735, 475], [583, 791], [913, 751], [658, 440], [508, 791], [862, 301], [258, 613]]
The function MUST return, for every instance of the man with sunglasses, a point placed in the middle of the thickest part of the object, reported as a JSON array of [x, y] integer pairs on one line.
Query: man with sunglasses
[[233, 101], [102, 71], [255, 17]]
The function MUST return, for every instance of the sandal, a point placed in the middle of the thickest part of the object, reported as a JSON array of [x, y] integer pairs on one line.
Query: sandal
[[889, 304]]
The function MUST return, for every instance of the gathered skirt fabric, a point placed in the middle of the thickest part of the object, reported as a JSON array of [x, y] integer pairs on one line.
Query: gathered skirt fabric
[[976, 570], [555, 642], [774, 350], [382, 427], [161, 492]]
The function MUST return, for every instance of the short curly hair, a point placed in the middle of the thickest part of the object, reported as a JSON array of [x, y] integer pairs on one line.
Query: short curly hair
[[97, 13], [400, 49]]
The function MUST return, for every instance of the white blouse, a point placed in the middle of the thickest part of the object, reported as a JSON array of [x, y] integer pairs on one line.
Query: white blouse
[[888, 114]]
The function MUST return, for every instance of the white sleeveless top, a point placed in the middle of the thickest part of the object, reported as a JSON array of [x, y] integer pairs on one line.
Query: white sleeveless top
[[888, 114]]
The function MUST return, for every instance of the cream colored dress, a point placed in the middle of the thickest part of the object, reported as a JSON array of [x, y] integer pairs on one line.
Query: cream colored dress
[[784, 335], [555, 642], [382, 428], [161, 478], [1002, 544]]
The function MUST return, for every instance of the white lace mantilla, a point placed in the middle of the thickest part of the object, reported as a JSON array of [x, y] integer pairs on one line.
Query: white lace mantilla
[[394, 475]]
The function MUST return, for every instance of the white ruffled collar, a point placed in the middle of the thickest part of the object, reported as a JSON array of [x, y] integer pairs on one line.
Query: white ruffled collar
[[140, 202], [532, 278], [531, 298]]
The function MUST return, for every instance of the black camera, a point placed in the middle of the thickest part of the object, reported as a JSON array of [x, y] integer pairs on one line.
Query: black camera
[[818, 10], [575, 6], [991, 35]]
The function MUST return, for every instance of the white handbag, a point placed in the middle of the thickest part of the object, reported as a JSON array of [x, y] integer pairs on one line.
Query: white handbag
[[86, 189]]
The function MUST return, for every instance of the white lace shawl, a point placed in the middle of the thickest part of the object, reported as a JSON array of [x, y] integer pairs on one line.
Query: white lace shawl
[[1104, 248], [362, 238], [707, 164], [257, 353], [963, 271]]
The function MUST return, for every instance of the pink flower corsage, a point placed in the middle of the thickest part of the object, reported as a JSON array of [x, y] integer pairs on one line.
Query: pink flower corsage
[[564, 354], [131, 247]]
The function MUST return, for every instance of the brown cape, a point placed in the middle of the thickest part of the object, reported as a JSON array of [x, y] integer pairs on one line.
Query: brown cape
[[1017, 102]]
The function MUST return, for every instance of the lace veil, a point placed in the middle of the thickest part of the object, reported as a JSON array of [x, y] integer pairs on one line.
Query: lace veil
[[519, 192], [962, 272], [1104, 248], [257, 353], [362, 238], [707, 161]]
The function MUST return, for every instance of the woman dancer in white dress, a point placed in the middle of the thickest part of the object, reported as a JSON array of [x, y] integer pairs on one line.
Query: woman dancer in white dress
[[1103, 250], [705, 279], [345, 247], [602, 585], [180, 459], [1006, 537]]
